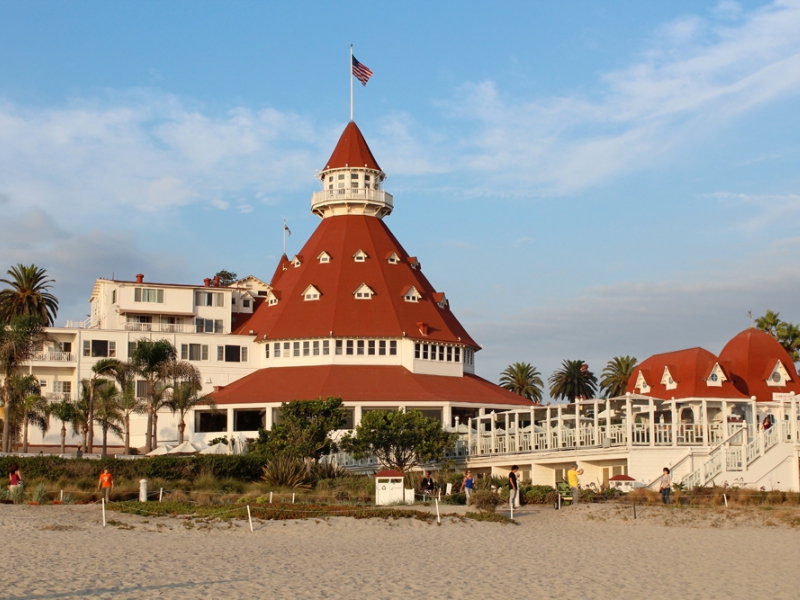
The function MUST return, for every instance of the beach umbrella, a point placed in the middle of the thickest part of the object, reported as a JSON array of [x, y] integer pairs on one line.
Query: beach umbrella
[[160, 450], [241, 446], [221, 448], [185, 448]]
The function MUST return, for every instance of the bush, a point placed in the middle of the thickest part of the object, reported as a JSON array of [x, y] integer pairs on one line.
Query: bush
[[457, 498], [538, 494], [283, 471], [484, 500]]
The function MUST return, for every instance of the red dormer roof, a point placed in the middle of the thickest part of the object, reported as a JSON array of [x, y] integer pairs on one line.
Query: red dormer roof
[[352, 151], [751, 356], [694, 365], [386, 314]]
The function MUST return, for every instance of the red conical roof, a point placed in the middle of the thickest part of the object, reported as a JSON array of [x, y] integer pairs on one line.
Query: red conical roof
[[752, 356], [352, 151], [386, 314]]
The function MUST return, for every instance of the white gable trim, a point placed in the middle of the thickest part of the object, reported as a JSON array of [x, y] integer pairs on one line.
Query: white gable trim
[[779, 376], [364, 292]]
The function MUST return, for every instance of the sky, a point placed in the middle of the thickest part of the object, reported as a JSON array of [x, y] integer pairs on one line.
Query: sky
[[584, 180]]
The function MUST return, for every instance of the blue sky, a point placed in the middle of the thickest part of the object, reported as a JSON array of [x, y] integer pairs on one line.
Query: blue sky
[[582, 180]]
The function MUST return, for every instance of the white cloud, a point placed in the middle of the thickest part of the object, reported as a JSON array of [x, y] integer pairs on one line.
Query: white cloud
[[220, 204], [770, 208], [245, 208]]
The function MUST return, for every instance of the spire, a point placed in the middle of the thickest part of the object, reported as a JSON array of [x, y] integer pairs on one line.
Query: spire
[[351, 180]]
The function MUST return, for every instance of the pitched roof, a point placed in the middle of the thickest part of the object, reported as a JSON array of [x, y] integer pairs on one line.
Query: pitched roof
[[352, 151], [694, 365], [362, 383], [387, 314], [751, 356]]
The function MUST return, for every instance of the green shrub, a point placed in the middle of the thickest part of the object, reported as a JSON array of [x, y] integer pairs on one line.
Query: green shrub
[[327, 471], [283, 471], [537, 494], [457, 498], [484, 500], [40, 494]]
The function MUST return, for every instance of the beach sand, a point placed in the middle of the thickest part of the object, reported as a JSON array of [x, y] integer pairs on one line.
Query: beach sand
[[592, 551]]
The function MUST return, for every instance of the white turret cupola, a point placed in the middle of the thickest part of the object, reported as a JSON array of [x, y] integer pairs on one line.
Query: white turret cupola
[[351, 181]]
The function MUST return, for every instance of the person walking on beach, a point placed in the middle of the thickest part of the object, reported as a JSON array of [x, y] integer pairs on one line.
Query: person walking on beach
[[513, 487], [14, 478], [664, 486], [468, 484], [574, 485], [106, 482]]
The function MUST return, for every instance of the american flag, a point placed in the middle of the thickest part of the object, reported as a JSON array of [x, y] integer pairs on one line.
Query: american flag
[[361, 72]]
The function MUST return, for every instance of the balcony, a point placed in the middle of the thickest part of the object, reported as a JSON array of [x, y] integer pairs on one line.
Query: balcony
[[352, 201], [52, 356], [160, 327], [57, 396]]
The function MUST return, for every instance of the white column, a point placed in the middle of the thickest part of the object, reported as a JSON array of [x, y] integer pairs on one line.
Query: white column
[[724, 419], [674, 416], [508, 434], [268, 418], [577, 424], [494, 434], [628, 419], [230, 423], [793, 417], [560, 427], [357, 414], [547, 427], [652, 423], [596, 424], [518, 435], [608, 418], [447, 415], [706, 439]]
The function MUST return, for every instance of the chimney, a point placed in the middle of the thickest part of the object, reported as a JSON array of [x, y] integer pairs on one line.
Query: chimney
[[216, 280], [207, 281], [139, 278]]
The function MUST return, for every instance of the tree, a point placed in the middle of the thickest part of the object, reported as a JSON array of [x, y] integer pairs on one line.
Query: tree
[[150, 359], [524, 380], [787, 334], [226, 277], [80, 419], [616, 375], [18, 338], [399, 440], [107, 411], [104, 366], [573, 380], [303, 430], [64, 411], [28, 295], [185, 396], [128, 402], [32, 406]]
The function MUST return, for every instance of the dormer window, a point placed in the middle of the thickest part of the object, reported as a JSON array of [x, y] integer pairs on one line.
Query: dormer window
[[363, 292], [411, 295], [641, 384], [360, 256], [311, 293], [716, 377], [667, 380], [393, 259], [297, 261], [272, 299], [412, 260], [779, 376], [324, 258], [440, 300]]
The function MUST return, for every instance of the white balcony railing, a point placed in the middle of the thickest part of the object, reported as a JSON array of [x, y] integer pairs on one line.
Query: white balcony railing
[[47, 356], [354, 194], [160, 327]]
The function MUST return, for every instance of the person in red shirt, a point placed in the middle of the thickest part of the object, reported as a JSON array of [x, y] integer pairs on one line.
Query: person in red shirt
[[106, 482]]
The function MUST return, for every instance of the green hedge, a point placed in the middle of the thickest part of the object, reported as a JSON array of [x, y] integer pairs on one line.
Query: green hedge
[[244, 468]]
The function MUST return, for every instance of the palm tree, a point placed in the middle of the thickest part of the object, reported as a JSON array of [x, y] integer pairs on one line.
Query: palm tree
[[149, 359], [64, 411], [104, 366], [573, 380], [28, 295], [128, 402], [769, 323], [18, 338], [184, 398], [108, 413], [80, 421], [616, 375], [524, 380], [34, 408]]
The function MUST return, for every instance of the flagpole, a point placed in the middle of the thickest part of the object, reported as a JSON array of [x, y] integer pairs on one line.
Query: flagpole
[[350, 70]]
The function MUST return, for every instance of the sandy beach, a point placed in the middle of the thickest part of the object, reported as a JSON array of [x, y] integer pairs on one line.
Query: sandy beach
[[588, 551]]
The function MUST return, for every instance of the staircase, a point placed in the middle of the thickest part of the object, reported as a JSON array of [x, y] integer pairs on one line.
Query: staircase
[[728, 458]]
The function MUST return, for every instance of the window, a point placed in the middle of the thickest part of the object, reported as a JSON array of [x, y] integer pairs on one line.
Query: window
[[113, 296], [393, 258], [360, 347], [246, 303], [417, 351], [266, 348], [449, 354], [325, 348], [371, 347], [277, 348], [316, 348], [244, 353], [296, 349], [360, 256], [366, 178], [233, 353], [287, 352], [330, 177], [425, 351], [714, 377], [208, 325], [349, 347], [363, 292], [306, 348], [42, 383], [62, 387], [382, 347], [66, 346], [341, 176], [324, 257], [272, 300], [457, 354], [338, 346], [249, 420], [393, 348], [209, 299], [131, 348], [148, 295], [412, 295], [208, 422], [194, 352], [99, 348], [311, 293], [221, 353], [141, 389], [441, 352]]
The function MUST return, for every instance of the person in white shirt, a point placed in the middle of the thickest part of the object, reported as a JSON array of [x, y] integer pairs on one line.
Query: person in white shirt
[[665, 483]]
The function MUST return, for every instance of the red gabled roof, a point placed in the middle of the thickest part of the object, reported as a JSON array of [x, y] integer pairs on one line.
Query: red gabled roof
[[362, 383], [693, 366], [352, 151], [752, 355], [387, 314]]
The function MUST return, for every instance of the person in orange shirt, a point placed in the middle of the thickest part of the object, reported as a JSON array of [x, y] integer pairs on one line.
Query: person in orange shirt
[[106, 482]]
